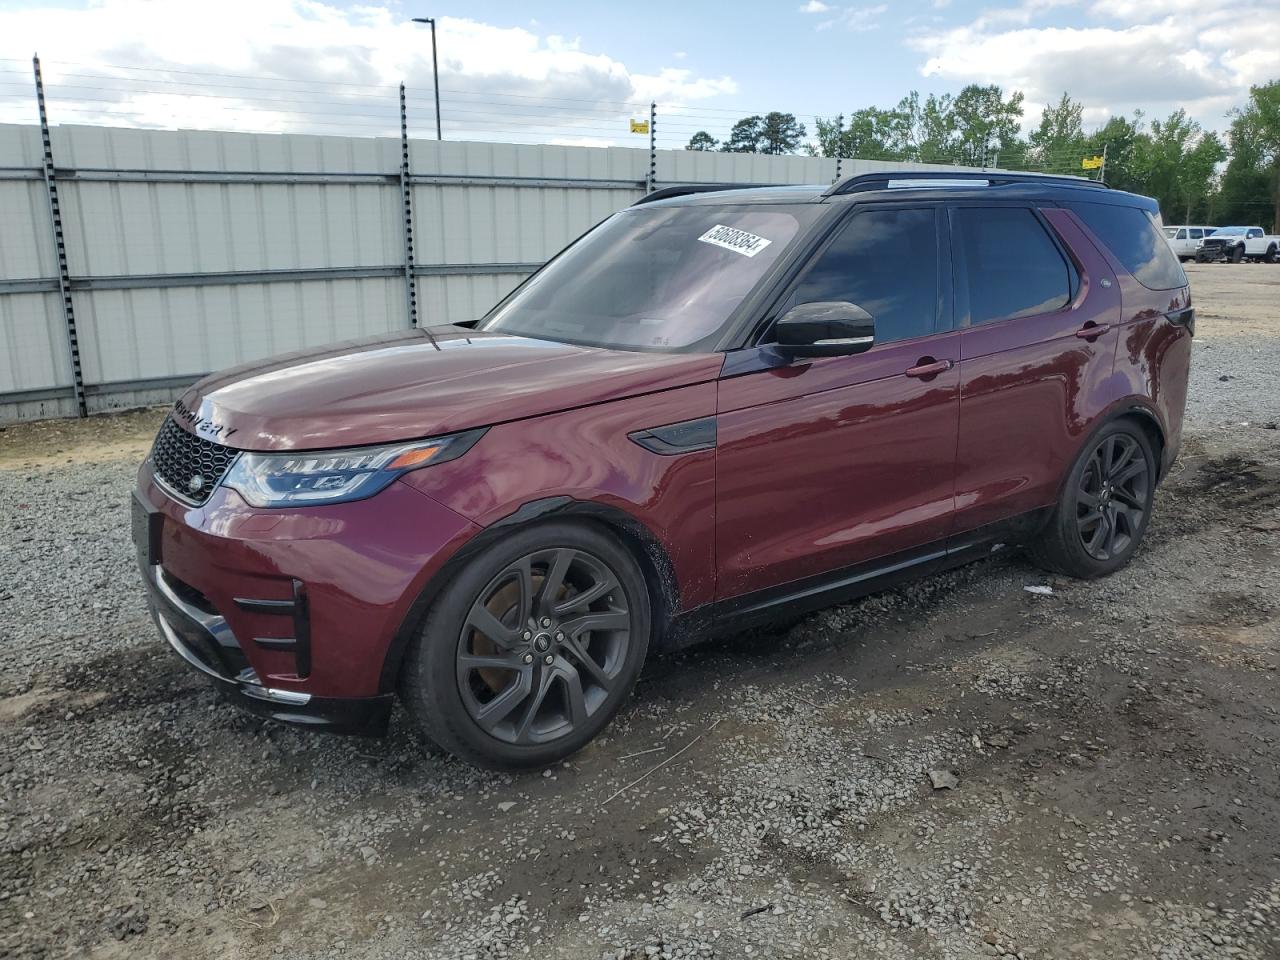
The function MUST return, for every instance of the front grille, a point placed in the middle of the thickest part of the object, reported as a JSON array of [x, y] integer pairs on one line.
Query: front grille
[[179, 458]]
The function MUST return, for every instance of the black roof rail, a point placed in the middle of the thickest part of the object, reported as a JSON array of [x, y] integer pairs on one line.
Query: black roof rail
[[684, 190], [881, 179]]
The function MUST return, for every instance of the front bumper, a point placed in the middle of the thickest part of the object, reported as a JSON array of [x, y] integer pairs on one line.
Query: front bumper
[[298, 614], [206, 643]]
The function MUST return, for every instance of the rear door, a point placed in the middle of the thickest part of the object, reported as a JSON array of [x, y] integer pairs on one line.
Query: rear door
[[1038, 307], [825, 464]]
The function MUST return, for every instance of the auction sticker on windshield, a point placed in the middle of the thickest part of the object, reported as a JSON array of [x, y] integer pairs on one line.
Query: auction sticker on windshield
[[739, 241]]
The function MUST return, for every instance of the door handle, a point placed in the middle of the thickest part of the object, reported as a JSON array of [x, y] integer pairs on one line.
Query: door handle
[[928, 367], [1091, 330]]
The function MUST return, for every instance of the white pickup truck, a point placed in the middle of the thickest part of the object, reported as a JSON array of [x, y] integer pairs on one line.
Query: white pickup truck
[[1183, 239], [1238, 243]]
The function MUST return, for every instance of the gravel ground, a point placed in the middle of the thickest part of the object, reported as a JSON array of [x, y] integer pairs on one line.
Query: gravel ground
[[1104, 756]]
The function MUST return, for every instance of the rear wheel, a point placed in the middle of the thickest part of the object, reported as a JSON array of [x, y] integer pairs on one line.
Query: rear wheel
[[532, 648], [1270, 255], [1105, 505]]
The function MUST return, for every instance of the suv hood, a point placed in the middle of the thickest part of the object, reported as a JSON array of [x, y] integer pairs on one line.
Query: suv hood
[[404, 387]]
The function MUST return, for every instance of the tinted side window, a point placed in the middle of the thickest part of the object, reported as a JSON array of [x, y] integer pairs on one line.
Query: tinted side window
[[1197, 233], [1253, 234], [1182, 235], [885, 261], [1009, 264], [1131, 236]]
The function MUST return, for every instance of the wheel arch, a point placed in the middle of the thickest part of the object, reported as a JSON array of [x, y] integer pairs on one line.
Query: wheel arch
[[1130, 408], [1149, 421], [643, 545]]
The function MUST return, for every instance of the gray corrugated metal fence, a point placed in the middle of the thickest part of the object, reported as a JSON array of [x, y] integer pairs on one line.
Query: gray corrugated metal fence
[[191, 251]]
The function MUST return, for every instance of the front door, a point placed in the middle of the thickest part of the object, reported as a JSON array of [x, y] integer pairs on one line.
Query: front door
[[826, 464]]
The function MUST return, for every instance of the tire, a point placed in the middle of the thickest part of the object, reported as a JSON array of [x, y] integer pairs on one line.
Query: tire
[[1105, 505], [1237, 254], [1270, 255], [505, 676]]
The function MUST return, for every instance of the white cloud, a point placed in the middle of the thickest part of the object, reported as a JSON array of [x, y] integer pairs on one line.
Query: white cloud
[[1157, 55], [857, 19], [815, 6], [310, 66]]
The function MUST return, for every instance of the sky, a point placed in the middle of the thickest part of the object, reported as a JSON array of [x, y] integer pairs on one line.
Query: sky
[[567, 72]]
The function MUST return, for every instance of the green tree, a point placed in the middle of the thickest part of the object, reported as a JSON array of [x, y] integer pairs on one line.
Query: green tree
[[702, 141], [983, 123], [1257, 127], [1244, 193], [1117, 140], [782, 133], [1058, 144], [872, 133], [773, 133], [932, 126], [1196, 175], [1175, 164], [746, 136]]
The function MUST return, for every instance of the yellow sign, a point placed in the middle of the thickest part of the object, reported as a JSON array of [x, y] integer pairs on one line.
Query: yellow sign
[[639, 126], [1091, 163]]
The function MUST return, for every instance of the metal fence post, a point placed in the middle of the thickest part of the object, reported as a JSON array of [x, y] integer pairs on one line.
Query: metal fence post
[[60, 248], [839, 162], [653, 146], [406, 196]]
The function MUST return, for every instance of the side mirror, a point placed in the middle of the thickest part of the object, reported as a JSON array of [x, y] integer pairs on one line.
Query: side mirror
[[833, 328]]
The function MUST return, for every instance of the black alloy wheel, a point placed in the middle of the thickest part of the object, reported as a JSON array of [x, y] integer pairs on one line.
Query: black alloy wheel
[[1105, 504], [1113, 497], [543, 646], [531, 647]]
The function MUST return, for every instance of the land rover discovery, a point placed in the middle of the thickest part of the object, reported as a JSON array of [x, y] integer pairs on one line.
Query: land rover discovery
[[713, 408]]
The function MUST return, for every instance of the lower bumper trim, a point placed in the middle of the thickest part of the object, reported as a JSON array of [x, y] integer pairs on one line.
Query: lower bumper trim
[[358, 716], [178, 621]]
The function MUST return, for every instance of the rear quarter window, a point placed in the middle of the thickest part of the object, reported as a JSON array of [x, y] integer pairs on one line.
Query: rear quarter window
[[1134, 239]]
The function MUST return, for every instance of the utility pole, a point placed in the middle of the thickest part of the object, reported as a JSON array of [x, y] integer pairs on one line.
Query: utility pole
[[435, 69], [1102, 170]]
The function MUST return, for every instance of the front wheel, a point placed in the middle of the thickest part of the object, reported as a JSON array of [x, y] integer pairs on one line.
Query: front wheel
[[1237, 254], [1105, 505], [531, 649]]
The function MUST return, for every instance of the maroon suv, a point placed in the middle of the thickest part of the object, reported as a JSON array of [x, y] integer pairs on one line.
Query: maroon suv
[[711, 408]]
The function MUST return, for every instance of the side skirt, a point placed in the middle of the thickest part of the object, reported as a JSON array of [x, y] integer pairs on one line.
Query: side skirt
[[841, 586]]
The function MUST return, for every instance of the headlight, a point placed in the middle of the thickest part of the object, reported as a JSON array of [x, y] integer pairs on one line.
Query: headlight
[[335, 476]]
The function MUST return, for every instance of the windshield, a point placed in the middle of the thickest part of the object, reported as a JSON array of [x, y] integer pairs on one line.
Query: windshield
[[1171, 232], [1228, 232], [661, 278]]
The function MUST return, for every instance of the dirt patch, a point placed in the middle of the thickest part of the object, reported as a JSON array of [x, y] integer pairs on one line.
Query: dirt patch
[[108, 436]]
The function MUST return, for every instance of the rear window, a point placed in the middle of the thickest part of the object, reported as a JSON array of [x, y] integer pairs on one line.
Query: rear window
[[1134, 239]]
